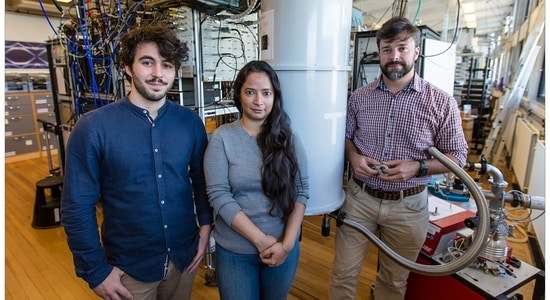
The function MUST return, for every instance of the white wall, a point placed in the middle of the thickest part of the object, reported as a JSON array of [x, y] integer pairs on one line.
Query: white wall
[[537, 187], [28, 28]]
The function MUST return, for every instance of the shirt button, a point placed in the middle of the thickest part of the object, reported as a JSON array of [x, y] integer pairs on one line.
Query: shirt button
[[159, 175], [145, 111], [165, 226], [162, 202], [156, 150], [168, 249]]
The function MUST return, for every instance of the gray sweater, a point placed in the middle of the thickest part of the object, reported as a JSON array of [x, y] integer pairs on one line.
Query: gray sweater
[[232, 164]]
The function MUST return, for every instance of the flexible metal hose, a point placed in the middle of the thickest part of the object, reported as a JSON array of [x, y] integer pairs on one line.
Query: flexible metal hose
[[477, 244]]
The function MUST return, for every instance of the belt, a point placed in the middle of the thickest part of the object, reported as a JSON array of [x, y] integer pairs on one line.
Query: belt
[[380, 194]]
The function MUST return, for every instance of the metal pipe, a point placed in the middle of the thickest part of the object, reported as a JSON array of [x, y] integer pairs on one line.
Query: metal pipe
[[477, 244], [498, 184]]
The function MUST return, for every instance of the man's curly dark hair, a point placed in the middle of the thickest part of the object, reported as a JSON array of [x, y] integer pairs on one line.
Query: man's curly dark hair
[[170, 46]]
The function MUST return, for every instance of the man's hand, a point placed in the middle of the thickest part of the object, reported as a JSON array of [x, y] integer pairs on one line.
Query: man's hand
[[111, 288], [204, 233], [363, 166], [400, 170]]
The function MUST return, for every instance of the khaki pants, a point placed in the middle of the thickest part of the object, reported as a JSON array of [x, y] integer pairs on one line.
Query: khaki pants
[[175, 286], [402, 225]]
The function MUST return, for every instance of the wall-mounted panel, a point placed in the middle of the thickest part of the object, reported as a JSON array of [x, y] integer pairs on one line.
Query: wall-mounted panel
[[525, 138]]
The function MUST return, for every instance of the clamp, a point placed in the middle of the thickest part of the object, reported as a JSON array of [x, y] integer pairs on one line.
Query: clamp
[[380, 169]]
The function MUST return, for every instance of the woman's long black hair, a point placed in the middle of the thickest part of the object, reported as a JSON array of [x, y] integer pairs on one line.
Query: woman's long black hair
[[280, 166]]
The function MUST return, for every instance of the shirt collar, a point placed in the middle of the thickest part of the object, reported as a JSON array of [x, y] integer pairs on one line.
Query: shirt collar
[[140, 110], [414, 84]]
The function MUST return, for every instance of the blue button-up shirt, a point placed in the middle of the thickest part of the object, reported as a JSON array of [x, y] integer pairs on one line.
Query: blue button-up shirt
[[148, 176]]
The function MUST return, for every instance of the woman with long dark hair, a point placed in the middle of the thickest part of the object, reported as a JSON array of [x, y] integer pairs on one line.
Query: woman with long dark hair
[[257, 183]]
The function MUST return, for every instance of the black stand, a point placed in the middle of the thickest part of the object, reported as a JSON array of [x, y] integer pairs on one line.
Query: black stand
[[47, 202]]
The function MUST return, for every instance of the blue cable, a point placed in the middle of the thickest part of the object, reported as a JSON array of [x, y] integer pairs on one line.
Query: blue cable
[[46, 16], [89, 59]]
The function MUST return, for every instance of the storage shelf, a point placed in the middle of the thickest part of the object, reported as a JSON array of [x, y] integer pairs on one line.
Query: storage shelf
[[474, 90]]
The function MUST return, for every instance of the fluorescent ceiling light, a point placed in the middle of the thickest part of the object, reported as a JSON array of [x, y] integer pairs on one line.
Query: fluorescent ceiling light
[[469, 7], [65, 1], [471, 24], [469, 18]]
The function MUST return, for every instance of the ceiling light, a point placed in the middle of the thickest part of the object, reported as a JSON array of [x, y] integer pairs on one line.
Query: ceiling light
[[469, 18], [472, 24], [469, 7], [65, 1]]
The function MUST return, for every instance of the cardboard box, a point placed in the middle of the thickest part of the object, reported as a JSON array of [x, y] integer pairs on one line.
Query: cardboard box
[[210, 124], [468, 127]]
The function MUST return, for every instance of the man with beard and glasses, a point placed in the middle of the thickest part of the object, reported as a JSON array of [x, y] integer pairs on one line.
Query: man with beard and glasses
[[391, 123], [141, 158]]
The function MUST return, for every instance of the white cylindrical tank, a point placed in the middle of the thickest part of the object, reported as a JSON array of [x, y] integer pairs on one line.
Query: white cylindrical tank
[[307, 42]]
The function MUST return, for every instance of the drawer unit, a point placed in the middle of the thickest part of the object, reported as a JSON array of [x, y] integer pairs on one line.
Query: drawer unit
[[44, 108], [18, 100], [23, 124], [21, 144], [24, 136], [43, 103], [50, 118], [52, 142], [16, 109]]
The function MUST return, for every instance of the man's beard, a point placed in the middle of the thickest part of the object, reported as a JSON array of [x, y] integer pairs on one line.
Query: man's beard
[[145, 93], [396, 74]]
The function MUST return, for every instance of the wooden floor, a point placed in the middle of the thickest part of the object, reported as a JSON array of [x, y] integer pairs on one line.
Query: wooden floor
[[38, 264]]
